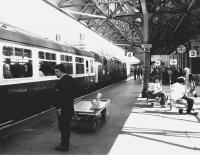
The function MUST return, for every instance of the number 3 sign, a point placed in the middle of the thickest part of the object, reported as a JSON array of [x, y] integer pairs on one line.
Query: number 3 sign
[[192, 53]]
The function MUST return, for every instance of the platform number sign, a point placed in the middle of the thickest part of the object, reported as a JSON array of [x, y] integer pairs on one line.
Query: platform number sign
[[129, 54], [192, 53]]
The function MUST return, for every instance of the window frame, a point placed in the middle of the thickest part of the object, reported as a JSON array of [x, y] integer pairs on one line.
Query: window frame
[[83, 63], [68, 62], [3, 57], [46, 60]]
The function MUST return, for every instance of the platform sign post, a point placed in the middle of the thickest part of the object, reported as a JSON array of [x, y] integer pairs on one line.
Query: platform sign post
[[170, 76], [170, 82]]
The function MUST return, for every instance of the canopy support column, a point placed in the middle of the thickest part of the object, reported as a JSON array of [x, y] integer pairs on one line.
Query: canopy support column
[[147, 67], [146, 46]]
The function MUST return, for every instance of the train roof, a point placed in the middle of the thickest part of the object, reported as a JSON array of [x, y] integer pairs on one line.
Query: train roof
[[19, 37], [97, 57], [116, 59]]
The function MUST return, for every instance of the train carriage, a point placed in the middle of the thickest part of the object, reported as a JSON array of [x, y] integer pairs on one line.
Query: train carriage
[[27, 78]]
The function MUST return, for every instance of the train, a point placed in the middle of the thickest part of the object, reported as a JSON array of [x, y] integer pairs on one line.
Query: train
[[27, 78]]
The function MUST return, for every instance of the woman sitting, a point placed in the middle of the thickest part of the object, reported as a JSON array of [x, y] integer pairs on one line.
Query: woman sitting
[[155, 90], [7, 72]]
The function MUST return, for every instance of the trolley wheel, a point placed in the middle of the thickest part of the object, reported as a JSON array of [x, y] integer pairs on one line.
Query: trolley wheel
[[180, 111], [103, 114], [93, 124]]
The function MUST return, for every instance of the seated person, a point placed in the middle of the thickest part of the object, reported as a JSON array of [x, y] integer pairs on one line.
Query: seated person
[[178, 91], [155, 90], [189, 83], [27, 71], [41, 73], [6, 71]]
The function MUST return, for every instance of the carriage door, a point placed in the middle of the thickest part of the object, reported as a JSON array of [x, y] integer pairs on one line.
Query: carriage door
[[87, 67], [96, 65]]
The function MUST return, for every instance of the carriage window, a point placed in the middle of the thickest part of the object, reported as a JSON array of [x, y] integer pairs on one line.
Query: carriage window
[[17, 63], [68, 67], [67, 62], [7, 51], [46, 68], [19, 52], [27, 53], [91, 66], [53, 56], [41, 55], [62, 58], [87, 66], [48, 56], [79, 65], [47, 63], [68, 58]]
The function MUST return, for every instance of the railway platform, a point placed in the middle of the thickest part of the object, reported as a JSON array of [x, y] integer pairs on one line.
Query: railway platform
[[131, 127]]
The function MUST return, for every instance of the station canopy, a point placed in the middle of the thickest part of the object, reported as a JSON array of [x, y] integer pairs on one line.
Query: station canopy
[[171, 22]]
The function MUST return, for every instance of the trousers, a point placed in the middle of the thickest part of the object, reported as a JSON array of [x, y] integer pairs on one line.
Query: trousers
[[64, 123], [190, 103]]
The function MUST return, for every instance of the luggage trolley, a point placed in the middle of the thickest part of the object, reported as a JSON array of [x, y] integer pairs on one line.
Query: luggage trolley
[[180, 104], [84, 112]]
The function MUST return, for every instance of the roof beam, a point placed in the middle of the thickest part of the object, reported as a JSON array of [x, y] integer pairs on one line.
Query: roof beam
[[75, 5], [191, 4], [111, 22], [89, 18], [97, 24], [121, 5], [146, 20], [61, 2], [178, 4], [123, 44], [85, 14], [113, 1], [83, 10]]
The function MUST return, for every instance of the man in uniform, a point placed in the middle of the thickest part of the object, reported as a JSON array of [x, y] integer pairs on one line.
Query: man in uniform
[[64, 105]]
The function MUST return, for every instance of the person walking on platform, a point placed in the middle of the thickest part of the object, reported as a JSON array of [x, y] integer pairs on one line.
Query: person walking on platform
[[64, 105], [138, 73], [135, 73]]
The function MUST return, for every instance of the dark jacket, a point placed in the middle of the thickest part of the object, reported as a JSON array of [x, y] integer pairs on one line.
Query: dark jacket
[[65, 94], [191, 79]]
